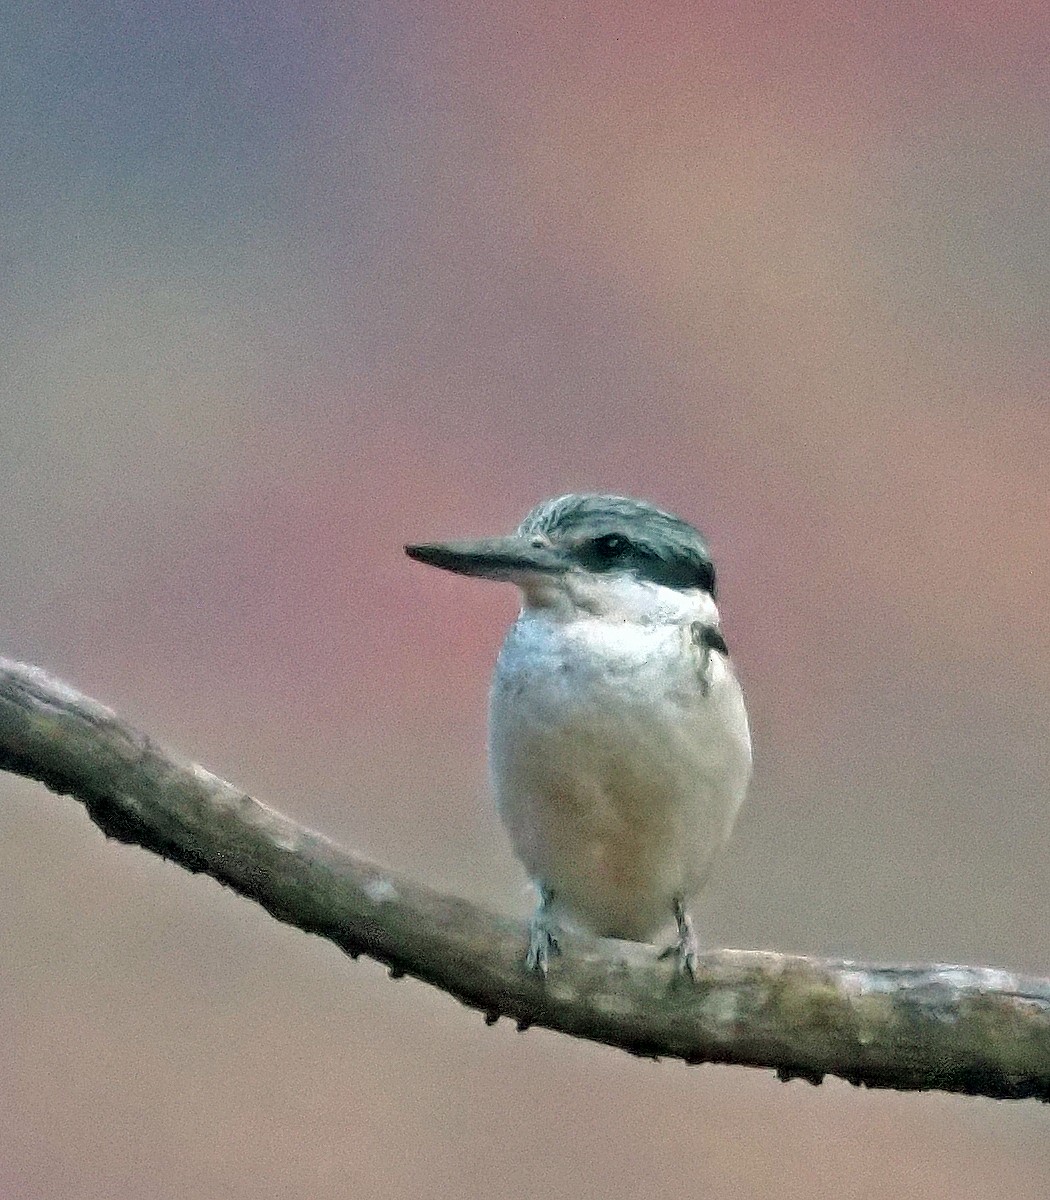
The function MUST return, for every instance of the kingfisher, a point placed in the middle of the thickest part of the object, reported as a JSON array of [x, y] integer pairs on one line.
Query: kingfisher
[[619, 747]]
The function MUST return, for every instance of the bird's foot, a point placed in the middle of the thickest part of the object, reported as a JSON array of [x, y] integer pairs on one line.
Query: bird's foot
[[543, 940], [684, 950]]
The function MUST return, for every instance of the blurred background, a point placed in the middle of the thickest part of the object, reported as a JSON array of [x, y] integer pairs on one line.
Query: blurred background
[[284, 285]]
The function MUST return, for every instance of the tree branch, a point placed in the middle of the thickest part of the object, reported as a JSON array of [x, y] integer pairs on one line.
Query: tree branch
[[958, 1029]]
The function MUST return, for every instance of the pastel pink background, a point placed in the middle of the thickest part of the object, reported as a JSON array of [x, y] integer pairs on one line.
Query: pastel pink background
[[283, 286]]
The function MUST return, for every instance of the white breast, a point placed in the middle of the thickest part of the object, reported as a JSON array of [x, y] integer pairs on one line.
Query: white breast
[[617, 774]]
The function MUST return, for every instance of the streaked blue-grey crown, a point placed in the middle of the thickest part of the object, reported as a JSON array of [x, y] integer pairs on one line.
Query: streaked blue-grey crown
[[616, 533]]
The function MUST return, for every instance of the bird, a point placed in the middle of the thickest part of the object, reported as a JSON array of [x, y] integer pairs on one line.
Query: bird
[[619, 747]]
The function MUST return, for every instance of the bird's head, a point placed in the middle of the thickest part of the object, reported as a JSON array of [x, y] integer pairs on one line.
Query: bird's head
[[602, 556]]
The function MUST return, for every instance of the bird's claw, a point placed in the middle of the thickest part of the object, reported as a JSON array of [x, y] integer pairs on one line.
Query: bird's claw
[[543, 940], [684, 950], [542, 946], [686, 959]]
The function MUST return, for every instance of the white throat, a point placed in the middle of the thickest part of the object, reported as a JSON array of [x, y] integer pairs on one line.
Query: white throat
[[618, 597]]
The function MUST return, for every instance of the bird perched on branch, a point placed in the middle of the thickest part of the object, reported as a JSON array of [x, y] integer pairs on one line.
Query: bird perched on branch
[[619, 747]]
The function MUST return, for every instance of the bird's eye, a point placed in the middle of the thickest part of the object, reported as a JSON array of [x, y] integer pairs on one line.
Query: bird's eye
[[611, 545]]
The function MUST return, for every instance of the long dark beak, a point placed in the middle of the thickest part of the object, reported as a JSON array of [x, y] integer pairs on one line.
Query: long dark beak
[[509, 559]]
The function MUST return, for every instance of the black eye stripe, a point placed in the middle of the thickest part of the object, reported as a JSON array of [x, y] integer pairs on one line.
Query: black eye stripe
[[617, 552]]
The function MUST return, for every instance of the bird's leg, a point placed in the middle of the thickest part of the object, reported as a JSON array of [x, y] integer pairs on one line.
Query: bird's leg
[[684, 949], [543, 941]]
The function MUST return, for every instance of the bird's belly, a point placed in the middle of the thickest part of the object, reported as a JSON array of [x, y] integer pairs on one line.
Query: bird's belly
[[617, 786]]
